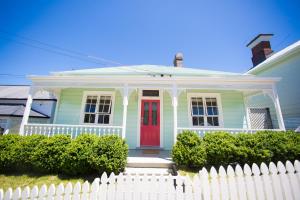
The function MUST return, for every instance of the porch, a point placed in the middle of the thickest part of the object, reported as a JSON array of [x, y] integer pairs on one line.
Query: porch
[[169, 105]]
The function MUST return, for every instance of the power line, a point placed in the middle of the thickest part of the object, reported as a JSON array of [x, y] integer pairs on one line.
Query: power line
[[58, 50]]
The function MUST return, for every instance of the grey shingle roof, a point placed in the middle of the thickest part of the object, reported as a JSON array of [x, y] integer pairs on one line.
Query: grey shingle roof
[[21, 92], [17, 110]]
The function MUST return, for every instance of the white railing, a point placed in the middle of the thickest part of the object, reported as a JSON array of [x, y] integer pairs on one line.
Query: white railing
[[264, 182], [73, 130], [203, 131]]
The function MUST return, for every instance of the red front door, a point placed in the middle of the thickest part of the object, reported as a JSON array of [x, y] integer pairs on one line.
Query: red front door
[[150, 123]]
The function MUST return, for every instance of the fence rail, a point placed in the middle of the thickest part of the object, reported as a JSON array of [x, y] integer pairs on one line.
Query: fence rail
[[203, 131], [73, 130], [273, 182]]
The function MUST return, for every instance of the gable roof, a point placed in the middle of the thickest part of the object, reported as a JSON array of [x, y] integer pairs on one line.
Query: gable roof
[[21, 92], [145, 70], [17, 110], [276, 57]]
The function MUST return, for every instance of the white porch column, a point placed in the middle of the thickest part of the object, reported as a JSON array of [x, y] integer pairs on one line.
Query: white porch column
[[26, 111], [175, 104], [125, 104], [278, 108]]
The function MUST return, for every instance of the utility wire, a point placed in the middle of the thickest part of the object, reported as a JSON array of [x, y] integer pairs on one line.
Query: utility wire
[[58, 50]]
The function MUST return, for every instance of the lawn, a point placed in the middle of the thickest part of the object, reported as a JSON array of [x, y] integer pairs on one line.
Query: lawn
[[184, 172], [15, 180]]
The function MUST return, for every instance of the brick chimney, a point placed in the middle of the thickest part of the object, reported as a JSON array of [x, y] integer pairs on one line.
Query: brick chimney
[[178, 60], [261, 48]]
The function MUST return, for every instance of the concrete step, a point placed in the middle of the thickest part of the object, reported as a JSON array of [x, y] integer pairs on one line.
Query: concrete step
[[149, 162], [147, 171]]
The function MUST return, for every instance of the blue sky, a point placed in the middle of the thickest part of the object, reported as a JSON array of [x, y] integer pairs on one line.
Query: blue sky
[[211, 34]]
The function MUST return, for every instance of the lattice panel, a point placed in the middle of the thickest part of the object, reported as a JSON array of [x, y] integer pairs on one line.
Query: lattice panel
[[260, 118]]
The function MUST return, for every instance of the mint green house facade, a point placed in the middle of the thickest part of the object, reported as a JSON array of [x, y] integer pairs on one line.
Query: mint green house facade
[[148, 105], [284, 64]]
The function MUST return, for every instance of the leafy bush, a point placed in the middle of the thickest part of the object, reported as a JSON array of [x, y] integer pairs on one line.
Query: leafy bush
[[59, 154], [223, 148], [48, 155], [220, 148], [25, 149], [78, 155], [189, 151], [8, 154], [249, 150], [109, 154]]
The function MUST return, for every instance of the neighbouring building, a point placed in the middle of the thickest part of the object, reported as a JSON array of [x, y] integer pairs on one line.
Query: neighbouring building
[[13, 99], [284, 64]]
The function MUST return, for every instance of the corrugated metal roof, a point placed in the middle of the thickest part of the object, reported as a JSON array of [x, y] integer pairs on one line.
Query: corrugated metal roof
[[147, 70], [21, 92], [18, 111]]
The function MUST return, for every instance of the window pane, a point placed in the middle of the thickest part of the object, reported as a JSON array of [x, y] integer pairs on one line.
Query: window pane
[[216, 121], [100, 110], [195, 110], [195, 121], [209, 111], [146, 113], [150, 93], [198, 121], [87, 107], [154, 113], [89, 118], [200, 111], [106, 119], [212, 121], [100, 119], [215, 111], [106, 109]]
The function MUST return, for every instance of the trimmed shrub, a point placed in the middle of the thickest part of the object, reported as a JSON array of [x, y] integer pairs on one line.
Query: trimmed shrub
[[220, 148], [78, 155], [249, 150], [48, 155], [189, 152], [25, 149], [223, 148], [109, 154], [282, 145], [8, 154]]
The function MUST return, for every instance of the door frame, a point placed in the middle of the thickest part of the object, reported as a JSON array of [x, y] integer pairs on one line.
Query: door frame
[[160, 98]]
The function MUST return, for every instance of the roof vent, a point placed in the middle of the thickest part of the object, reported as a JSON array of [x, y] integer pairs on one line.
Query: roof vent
[[178, 60], [261, 48]]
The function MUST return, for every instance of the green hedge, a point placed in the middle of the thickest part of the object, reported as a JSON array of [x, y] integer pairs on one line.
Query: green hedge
[[221, 148], [59, 154]]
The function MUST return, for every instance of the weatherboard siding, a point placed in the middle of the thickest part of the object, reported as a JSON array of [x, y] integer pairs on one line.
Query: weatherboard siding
[[287, 88], [69, 111], [232, 102], [69, 106]]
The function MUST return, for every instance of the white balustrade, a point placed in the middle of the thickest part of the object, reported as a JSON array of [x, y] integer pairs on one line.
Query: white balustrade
[[203, 131], [264, 182], [72, 130]]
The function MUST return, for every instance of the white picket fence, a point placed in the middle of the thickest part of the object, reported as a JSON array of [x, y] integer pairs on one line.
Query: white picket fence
[[273, 182]]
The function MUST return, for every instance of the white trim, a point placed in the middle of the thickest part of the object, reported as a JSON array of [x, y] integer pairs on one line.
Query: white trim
[[98, 93], [57, 105], [245, 98], [160, 98], [206, 95]]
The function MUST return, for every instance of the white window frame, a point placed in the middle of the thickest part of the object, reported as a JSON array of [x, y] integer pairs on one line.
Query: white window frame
[[203, 96], [97, 93]]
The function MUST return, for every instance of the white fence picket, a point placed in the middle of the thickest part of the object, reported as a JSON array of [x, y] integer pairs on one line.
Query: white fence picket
[[273, 182]]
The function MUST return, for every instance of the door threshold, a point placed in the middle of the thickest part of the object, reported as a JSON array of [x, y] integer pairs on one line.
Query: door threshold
[[149, 147]]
